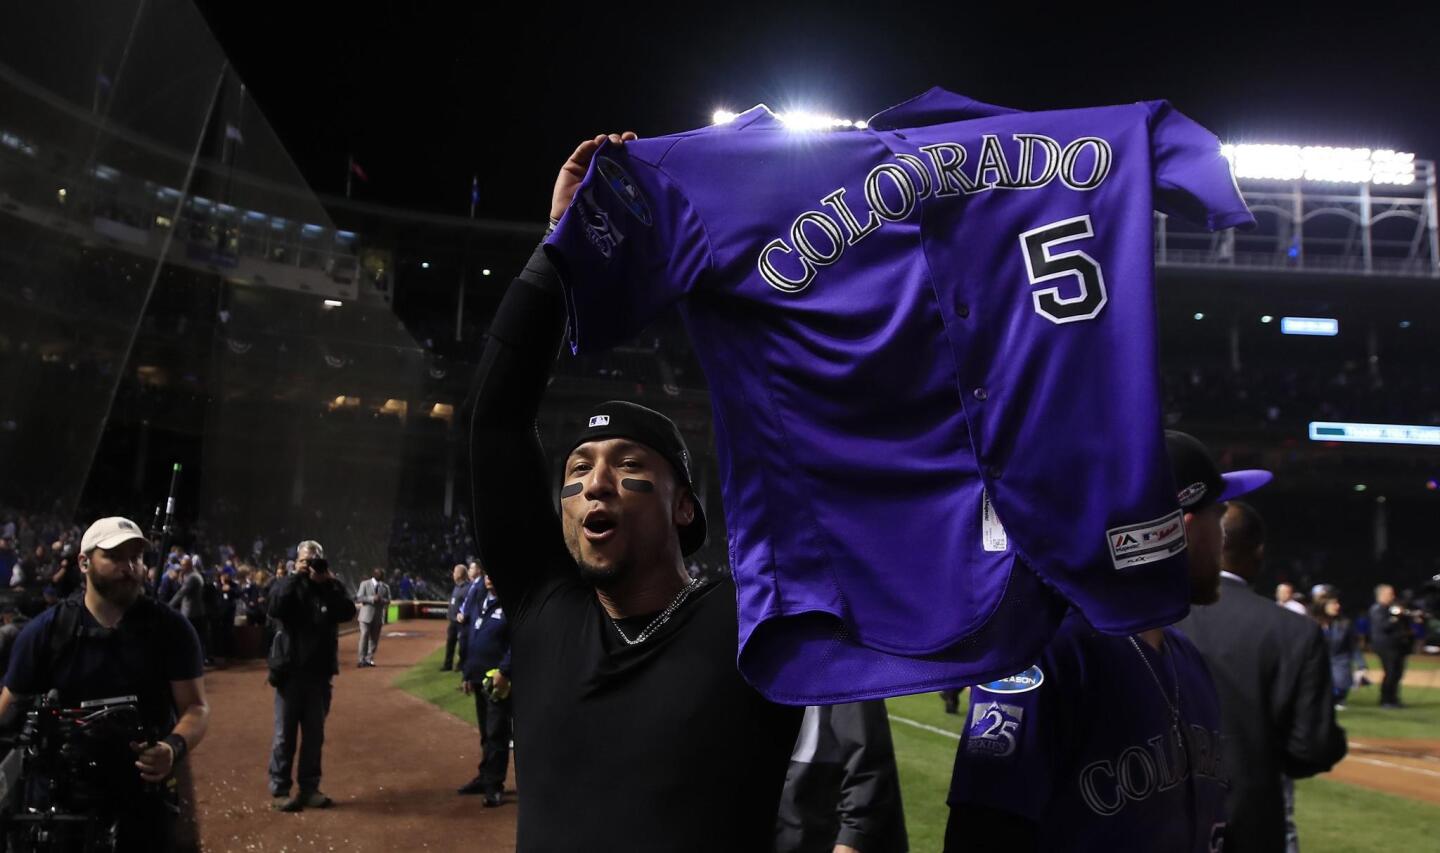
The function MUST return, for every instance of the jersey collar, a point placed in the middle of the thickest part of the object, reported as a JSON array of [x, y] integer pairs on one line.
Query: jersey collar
[[935, 106]]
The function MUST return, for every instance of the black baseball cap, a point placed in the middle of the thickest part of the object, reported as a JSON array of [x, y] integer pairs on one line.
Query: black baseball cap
[[622, 419], [1197, 477]]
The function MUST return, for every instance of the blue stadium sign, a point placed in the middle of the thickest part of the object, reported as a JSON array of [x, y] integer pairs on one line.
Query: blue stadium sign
[[1426, 436], [1309, 326]]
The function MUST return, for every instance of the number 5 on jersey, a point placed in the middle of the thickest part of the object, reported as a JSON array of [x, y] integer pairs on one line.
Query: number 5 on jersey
[[1043, 264]]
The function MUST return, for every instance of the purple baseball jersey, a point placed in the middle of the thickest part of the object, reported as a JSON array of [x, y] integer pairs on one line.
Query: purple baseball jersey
[[912, 333], [1083, 745]]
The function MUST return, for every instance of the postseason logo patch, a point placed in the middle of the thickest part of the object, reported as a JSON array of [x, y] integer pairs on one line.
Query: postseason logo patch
[[1138, 544], [625, 189], [992, 729], [1020, 682], [1192, 494]]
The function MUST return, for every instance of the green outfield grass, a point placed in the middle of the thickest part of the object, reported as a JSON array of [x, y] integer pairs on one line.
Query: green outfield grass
[[1427, 663], [441, 689], [1333, 817], [1420, 718]]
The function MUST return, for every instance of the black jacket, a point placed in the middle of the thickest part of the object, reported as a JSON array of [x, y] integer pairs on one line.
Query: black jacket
[[842, 786], [307, 640], [1272, 670], [1389, 634]]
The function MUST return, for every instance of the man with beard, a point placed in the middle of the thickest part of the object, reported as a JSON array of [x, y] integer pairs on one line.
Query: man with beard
[[114, 643], [634, 724]]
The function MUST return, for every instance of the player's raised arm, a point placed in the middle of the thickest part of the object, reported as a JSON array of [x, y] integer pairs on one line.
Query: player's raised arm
[[517, 531]]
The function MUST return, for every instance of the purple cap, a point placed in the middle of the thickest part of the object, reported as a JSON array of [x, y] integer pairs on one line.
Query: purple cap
[[1243, 482]]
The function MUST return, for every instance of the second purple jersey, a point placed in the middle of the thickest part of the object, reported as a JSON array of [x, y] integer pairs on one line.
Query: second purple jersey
[[931, 351]]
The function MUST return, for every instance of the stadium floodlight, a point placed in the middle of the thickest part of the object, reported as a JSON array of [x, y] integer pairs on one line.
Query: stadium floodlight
[[1360, 487], [798, 120], [1423, 436], [333, 303], [424, 265], [1404, 324], [1199, 315], [1267, 319], [1321, 163], [484, 272], [1322, 326]]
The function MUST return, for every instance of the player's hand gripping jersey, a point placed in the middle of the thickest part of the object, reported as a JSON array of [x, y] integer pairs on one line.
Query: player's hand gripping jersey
[[911, 333]]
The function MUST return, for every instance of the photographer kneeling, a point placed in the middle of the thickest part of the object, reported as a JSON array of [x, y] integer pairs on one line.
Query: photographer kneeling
[[116, 643]]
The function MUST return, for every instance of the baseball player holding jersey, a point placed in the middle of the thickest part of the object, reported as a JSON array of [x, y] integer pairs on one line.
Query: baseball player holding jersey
[[912, 332], [1107, 743]]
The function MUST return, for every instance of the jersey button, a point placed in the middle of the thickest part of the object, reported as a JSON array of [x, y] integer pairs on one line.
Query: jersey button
[[981, 394], [962, 310], [993, 471]]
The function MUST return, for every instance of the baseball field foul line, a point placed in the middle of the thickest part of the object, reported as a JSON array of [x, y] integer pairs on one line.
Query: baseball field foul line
[[929, 728], [1378, 763]]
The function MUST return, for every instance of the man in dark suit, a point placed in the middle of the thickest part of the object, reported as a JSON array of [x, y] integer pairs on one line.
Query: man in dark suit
[[1392, 639], [1273, 674]]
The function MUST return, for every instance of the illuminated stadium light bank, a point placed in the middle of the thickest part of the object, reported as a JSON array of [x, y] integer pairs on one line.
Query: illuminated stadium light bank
[[1425, 436], [1321, 163], [799, 120]]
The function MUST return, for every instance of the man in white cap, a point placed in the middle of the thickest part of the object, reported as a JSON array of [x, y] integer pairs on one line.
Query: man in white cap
[[118, 643]]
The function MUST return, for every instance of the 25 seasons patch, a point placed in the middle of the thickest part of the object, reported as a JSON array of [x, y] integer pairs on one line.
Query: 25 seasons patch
[[992, 729]]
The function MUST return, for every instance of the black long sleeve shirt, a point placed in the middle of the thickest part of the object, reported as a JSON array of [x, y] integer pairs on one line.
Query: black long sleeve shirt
[[655, 747]]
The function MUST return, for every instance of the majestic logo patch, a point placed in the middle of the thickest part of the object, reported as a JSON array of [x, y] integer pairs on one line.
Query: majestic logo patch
[[600, 420], [1192, 494], [1020, 682], [1138, 544], [992, 728], [625, 188]]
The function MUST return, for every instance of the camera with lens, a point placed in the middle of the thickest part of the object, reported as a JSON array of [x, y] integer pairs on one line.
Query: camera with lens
[[71, 774]]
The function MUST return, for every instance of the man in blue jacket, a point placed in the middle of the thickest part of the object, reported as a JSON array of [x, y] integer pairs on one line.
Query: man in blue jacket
[[485, 670]]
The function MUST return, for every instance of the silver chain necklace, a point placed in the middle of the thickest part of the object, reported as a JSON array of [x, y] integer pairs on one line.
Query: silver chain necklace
[[1174, 707], [664, 616]]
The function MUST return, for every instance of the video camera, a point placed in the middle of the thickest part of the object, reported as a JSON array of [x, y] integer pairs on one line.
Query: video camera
[[63, 785]]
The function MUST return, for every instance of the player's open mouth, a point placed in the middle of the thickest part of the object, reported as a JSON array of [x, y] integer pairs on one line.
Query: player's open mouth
[[599, 526]]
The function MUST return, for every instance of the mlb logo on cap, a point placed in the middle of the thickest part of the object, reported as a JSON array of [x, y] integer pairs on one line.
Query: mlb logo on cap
[[600, 420]]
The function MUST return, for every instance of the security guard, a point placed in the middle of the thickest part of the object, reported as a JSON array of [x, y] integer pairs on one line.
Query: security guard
[[485, 670]]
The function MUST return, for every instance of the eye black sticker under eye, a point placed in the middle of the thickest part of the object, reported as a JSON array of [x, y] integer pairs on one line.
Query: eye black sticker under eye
[[637, 485], [572, 490]]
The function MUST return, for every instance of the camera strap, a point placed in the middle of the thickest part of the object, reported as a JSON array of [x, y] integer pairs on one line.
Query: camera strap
[[69, 628]]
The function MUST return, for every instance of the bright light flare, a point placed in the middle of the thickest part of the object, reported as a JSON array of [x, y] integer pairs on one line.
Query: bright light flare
[[1321, 163]]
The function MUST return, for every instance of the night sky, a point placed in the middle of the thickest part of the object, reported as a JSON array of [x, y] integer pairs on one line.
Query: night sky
[[425, 94]]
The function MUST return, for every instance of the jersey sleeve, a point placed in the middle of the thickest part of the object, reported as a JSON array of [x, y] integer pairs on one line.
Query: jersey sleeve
[[1193, 180], [630, 245], [1007, 759]]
